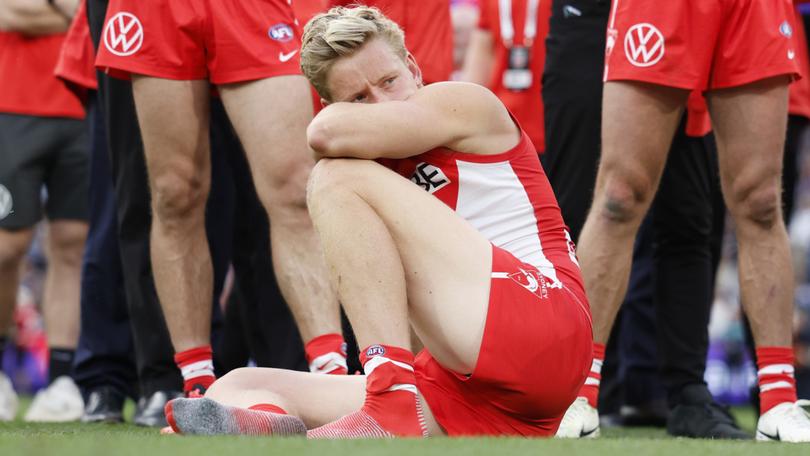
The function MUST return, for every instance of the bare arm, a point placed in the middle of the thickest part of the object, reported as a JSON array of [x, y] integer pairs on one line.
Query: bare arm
[[463, 117], [36, 17], [480, 58]]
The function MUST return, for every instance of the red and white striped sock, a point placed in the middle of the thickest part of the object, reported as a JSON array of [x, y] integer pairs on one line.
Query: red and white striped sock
[[391, 408], [197, 367], [326, 354], [590, 389], [775, 375]]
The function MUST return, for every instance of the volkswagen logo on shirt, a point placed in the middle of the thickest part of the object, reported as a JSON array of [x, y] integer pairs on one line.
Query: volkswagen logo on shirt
[[123, 35]]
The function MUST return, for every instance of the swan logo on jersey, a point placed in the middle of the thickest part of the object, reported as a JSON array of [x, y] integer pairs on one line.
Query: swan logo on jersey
[[429, 177], [123, 35], [644, 45], [6, 202], [786, 30], [375, 350], [532, 281], [281, 32]]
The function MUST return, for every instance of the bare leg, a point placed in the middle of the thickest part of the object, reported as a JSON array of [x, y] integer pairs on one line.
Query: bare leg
[[270, 117], [750, 124], [402, 253], [62, 284], [173, 116], [13, 245], [638, 123]]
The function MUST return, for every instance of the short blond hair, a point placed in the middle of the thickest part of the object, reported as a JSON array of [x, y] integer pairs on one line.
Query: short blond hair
[[341, 32]]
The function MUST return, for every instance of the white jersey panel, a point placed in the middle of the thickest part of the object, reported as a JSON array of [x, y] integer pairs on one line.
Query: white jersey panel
[[492, 198]]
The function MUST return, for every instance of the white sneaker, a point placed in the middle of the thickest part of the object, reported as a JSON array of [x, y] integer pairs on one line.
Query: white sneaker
[[580, 421], [787, 422], [8, 399], [60, 402]]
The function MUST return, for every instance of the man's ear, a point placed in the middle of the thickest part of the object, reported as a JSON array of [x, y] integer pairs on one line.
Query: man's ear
[[415, 70]]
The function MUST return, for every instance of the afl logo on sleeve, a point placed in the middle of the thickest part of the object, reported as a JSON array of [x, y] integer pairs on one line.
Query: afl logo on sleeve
[[281, 33], [123, 35], [6, 202], [429, 177], [644, 45]]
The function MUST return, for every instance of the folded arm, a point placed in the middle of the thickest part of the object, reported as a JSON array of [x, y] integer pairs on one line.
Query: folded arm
[[439, 115]]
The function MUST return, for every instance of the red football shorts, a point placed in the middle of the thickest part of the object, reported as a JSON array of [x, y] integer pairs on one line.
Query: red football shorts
[[534, 357], [700, 44], [224, 41]]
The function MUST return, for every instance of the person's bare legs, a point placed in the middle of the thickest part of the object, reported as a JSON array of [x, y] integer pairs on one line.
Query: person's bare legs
[[314, 399], [63, 282], [270, 117], [638, 123], [174, 116], [401, 254], [13, 245], [750, 124]]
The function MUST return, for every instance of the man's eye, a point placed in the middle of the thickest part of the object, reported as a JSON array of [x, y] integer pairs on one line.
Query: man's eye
[[359, 98], [389, 81]]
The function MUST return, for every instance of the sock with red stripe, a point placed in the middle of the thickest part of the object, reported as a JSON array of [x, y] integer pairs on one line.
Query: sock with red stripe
[[391, 408], [197, 367], [590, 390], [204, 416], [326, 354], [775, 375]]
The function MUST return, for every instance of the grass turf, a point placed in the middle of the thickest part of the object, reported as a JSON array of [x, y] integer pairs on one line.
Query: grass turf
[[19, 438]]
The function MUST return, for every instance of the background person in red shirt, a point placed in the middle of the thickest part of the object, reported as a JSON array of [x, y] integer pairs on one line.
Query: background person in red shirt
[[43, 142], [507, 53]]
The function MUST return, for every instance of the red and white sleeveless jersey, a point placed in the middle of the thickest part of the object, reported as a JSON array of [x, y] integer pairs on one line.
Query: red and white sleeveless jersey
[[507, 198]]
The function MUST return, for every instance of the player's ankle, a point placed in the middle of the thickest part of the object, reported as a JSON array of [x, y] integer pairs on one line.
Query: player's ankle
[[391, 394], [326, 354], [590, 390], [776, 377], [197, 367]]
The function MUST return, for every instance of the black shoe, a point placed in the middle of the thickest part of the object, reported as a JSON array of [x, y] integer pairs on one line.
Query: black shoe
[[104, 405], [149, 411], [697, 415], [651, 414]]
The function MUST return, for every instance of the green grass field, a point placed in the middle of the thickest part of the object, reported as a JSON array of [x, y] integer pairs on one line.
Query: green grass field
[[18, 438]]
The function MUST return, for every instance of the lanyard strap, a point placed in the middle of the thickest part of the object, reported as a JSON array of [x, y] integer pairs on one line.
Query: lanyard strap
[[508, 27]]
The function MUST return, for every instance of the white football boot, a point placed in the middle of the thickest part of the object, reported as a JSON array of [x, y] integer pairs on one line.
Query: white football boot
[[787, 422], [60, 402], [8, 399], [580, 421]]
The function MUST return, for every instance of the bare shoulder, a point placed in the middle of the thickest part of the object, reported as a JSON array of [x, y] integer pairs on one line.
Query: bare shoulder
[[487, 126]]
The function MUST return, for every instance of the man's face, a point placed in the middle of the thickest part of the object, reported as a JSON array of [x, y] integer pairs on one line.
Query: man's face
[[373, 74]]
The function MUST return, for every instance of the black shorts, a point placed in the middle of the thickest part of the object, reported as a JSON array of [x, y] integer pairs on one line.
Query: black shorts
[[36, 152]]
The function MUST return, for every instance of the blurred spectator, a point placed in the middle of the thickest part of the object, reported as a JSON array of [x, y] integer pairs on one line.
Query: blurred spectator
[[507, 53], [43, 142]]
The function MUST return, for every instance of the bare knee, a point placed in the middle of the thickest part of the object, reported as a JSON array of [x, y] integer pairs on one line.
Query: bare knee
[[624, 199], [282, 189], [179, 195], [329, 178], [12, 250], [66, 243], [755, 202]]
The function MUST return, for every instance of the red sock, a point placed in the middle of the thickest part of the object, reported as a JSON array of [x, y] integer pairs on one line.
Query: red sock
[[326, 354], [197, 367], [268, 408], [590, 389], [776, 382], [391, 408]]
